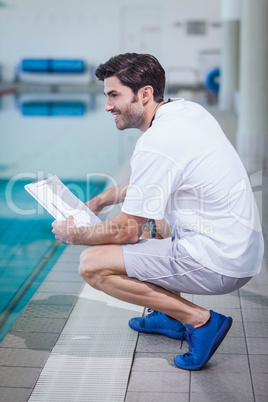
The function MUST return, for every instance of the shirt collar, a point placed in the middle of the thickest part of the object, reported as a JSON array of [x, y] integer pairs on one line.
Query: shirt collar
[[170, 106]]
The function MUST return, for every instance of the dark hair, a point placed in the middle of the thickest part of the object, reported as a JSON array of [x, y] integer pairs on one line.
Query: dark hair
[[135, 71]]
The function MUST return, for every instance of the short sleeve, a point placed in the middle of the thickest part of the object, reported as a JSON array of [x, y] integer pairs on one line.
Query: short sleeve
[[153, 179]]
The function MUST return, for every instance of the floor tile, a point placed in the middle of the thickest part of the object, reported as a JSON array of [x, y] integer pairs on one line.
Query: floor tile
[[236, 346], [207, 381], [59, 276], [187, 296], [260, 384], [260, 398], [255, 315], [42, 309], [67, 266], [159, 382], [235, 313], [23, 377], [256, 329], [23, 357], [258, 364], [236, 330], [14, 394], [66, 258], [31, 340], [227, 363], [254, 288], [74, 250], [55, 298], [38, 324], [160, 344], [224, 396], [216, 302], [154, 362], [257, 346], [260, 279], [156, 397], [254, 301], [61, 287]]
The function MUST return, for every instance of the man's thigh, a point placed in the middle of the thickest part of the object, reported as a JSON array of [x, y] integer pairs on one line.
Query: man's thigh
[[167, 264], [104, 259]]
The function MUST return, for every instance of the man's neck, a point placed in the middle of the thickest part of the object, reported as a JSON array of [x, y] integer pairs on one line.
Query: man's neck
[[149, 114]]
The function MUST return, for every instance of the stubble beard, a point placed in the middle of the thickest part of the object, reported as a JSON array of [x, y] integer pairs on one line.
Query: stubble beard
[[129, 118]]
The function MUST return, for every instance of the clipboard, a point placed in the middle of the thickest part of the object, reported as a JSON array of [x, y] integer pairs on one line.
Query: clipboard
[[60, 202]]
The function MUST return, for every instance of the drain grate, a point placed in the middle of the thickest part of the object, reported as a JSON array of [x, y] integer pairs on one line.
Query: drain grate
[[93, 355]]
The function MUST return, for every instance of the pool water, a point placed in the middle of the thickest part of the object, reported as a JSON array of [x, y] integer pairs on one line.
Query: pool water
[[84, 150], [28, 249]]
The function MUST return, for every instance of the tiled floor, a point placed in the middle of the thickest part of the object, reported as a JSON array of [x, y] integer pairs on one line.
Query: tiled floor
[[26, 348], [237, 372]]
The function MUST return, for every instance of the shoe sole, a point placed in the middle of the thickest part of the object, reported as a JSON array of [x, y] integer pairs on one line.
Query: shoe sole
[[214, 345], [164, 332]]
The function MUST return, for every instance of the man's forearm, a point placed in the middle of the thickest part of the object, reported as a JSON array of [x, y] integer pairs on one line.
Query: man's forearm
[[112, 196], [119, 230], [108, 232]]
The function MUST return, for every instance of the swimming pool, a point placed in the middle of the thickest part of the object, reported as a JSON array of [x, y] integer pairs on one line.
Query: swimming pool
[[28, 249], [85, 152]]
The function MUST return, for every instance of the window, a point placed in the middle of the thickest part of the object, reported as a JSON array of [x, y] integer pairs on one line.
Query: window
[[196, 28]]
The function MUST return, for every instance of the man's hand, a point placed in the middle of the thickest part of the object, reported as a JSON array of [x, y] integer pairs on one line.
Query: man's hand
[[66, 231]]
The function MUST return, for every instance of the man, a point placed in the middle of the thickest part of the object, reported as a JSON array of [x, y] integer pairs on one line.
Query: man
[[185, 171]]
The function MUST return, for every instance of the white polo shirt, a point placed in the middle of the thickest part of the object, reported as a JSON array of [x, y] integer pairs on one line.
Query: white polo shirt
[[185, 170]]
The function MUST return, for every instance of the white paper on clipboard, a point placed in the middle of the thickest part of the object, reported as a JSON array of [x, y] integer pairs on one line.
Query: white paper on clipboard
[[60, 202]]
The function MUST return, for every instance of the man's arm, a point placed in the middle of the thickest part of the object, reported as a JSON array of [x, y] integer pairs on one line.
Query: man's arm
[[115, 195], [122, 229]]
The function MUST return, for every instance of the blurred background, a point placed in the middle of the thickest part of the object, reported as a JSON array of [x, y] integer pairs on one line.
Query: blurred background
[[52, 117]]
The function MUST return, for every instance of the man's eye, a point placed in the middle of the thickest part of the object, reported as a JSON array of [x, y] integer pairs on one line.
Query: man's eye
[[114, 95]]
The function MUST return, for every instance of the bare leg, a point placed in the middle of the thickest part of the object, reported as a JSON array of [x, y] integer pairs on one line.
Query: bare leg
[[102, 267]]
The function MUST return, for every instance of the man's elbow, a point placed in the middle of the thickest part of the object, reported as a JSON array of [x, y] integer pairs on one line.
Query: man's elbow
[[128, 236], [131, 238], [131, 234], [130, 229]]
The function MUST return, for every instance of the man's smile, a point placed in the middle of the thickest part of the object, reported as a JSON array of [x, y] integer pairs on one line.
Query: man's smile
[[116, 116]]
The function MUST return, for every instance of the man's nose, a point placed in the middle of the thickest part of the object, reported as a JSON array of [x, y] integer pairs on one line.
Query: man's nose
[[109, 106]]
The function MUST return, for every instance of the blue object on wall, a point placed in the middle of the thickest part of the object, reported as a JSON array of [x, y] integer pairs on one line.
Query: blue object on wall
[[53, 109], [53, 66], [212, 80]]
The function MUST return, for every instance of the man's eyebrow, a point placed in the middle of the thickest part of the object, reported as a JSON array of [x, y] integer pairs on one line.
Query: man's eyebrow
[[113, 91]]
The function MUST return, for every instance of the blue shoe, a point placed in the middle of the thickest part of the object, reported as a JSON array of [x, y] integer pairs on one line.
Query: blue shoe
[[158, 323], [203, 341]]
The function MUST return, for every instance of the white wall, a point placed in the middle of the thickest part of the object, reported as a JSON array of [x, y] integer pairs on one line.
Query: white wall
[[95, 30]]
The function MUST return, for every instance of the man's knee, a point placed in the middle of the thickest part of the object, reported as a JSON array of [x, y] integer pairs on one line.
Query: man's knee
[[97, 263], [88, 265]]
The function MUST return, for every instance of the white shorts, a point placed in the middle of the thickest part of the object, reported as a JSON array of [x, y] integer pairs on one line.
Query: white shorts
[[167, 264]]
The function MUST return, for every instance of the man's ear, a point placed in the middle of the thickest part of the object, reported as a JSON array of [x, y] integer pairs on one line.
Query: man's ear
[[147, 93]]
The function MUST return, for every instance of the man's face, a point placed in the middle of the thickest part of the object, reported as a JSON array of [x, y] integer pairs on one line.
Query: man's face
[[126, 107]]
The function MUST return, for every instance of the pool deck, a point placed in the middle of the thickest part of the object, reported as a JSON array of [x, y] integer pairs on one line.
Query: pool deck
[[72, 343]]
